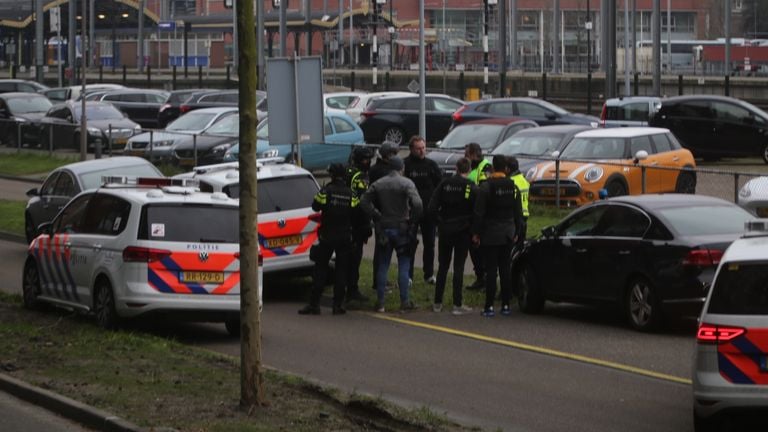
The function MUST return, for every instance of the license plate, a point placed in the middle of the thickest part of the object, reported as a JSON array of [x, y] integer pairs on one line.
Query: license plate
[[279, 242], [547, 191], [119, 141], [202, 277], [763, 363]]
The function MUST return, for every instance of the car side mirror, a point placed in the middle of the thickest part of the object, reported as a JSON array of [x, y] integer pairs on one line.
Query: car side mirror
[[549, 231], [555, 154], [641, 155], [33, 192], [4, 113], [45, 228]]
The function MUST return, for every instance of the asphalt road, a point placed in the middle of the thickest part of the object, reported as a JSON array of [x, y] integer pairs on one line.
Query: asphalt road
[[17, 415], [573, 368]]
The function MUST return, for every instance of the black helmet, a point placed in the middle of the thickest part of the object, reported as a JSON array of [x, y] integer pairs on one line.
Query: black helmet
[[360, 153], [337, 170]]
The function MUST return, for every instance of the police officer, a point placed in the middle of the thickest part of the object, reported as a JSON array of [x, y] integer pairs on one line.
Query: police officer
[[357, 179], [497, 218], [339, 208], [426, 175], [513, 166], [480, 170], [453, 204]]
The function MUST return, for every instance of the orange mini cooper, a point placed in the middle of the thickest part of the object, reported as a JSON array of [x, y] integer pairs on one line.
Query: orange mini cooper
[[612, 159]]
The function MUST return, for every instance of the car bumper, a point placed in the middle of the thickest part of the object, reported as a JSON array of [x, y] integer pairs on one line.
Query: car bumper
[[295, 262], [191, 305], [712, 395], [571, 193]]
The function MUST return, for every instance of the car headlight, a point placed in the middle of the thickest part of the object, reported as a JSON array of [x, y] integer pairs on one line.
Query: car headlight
[[221, 148], [594, 174], [94, 131], [269, 153], [530, 174], [745, 192], [594, 124], [21, 120], [163, 143]]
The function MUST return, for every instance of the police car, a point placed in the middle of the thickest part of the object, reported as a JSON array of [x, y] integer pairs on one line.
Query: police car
[[730, 367], [134, 247], [287, 224]]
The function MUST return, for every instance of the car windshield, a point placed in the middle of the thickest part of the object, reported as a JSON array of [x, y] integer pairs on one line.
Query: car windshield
[[285, 193], [99, 112], [262, 131], [22, 105], [483, 134], [594, 148], [201, 223], [721, 219], [535, 145], [92, 180], [228, 126], [740, 289], [191, 121]]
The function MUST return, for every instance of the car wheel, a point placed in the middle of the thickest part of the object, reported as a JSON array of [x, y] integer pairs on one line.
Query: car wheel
[[30, 285], [616, 188], [395, 135], [104, 306], [530, 298], [30, 230], [701, 424], [686, 183], [232, 326], [642, 306], [765, 153]]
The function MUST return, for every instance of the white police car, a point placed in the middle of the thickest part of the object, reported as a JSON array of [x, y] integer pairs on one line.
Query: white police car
[[287, 224], [730, 367], [140, 246]]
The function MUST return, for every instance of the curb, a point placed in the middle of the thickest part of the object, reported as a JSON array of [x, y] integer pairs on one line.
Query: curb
[[22, 179], [16, 238], [79, 412]]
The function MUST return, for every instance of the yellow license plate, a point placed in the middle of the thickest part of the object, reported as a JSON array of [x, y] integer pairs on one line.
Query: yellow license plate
[[119, 141], [547, 191], [279, 242], [202, 277]]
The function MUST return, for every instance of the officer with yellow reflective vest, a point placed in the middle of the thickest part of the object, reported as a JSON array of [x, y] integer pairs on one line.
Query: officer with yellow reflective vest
[[524, 187], [480, 171]]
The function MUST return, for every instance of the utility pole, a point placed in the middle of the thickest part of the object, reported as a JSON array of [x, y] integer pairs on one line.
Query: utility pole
[[83, 117], [423, 75], [39, 41], [251, 376], [728, 36], [91, 33], [375, 55], [656, 29], [513, 30], [283, 28], [140, 47], [610, 55], [502, 45], [626, 48], [485, 46], [340, 36], [261, 70], [669, 36], [71, 60], [556, 37]]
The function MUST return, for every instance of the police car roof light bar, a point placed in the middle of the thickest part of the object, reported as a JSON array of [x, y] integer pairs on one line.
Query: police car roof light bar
[[206, 169], [756, 227], [149, 181]]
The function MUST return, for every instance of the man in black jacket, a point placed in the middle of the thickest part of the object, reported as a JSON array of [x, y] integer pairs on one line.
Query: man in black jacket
[[426, 175], [453, 204], [497, 220], [357, 179], [339, 207]]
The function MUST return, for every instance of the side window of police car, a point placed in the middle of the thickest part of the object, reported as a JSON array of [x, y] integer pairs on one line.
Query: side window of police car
[[106, 215], [70, 219]]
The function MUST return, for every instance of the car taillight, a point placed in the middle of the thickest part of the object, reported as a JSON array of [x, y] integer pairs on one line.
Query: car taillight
[[185, 108], [703, 257], [603, 114], [714, 334], [456, 116], [142, 254], [366, 114]]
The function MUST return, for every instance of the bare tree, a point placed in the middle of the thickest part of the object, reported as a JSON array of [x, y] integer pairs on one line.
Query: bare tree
[[251, 376]]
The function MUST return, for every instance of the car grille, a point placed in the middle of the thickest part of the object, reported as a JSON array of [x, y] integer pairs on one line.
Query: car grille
[[546, 188], [119, 133], [139, 145]]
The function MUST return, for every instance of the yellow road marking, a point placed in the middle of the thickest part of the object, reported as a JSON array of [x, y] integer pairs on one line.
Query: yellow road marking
[[540, 350]]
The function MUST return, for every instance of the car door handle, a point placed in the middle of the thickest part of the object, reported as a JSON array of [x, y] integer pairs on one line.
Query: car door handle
[[624, 252], [676, 158], [581, 250]]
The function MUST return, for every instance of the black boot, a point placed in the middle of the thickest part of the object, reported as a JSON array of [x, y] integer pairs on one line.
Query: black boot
[[309, 310], [338, 310], [478, 285]]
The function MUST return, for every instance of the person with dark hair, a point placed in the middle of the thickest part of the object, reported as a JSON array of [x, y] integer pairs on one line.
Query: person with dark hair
[[453, 204], [394, 205], [513, 166], [339, 207], [480, 169], [426, 175], [497, 218], [357, 179], [381, 168]]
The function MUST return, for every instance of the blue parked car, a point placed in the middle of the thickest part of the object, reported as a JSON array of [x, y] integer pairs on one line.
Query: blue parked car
[[341, 133]]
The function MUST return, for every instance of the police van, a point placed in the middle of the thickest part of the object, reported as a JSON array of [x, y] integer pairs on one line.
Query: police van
[[287, 224], [140, 246]]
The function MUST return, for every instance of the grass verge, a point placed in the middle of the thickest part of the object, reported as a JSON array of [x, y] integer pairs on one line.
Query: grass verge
[[155, 382], [28, 163], [12, 216]]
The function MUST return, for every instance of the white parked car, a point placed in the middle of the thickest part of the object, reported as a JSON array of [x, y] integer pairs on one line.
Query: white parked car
[[356, 107], [753, 196]]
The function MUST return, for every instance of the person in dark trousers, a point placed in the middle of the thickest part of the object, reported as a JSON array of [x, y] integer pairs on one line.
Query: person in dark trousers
[[480, 169], [497, 217], [394, 205], [513, 166], [357, 179], [339, 207], [453, 205], [426, 175]]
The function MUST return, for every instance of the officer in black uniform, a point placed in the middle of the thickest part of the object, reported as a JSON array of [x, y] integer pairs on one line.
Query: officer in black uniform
[[496, 224], [452, 204], [357, 179], [339, 207]]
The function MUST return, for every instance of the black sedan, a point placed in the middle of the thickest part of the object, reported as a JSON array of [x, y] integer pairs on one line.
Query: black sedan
[[171, 108], [104, 122], [396, 119], [653, 256], [210, 146], [540, 111], [488, 133], [21, 112], [531, 146]]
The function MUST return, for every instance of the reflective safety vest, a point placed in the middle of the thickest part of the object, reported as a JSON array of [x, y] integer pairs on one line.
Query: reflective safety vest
[[523, 185], [478, 175]]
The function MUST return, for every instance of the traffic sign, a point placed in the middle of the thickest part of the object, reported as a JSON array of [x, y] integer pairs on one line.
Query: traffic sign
[[166, 25]]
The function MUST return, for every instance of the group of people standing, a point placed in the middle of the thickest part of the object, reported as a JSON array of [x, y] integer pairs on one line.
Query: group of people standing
[[482, 211]]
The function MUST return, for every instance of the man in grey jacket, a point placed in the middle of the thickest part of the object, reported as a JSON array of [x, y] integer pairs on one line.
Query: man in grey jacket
[[394, 205]]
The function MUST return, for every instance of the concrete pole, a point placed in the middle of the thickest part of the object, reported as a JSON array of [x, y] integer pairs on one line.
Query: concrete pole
[[610, 54], [727, 37], [340, 37], [283, 28], [656, 30], [669, 36], [71, 60], [91, 33], [39, 39], [351, 36], [485, 46], [422, 76], [513, 30], [502, 38], [556, 37], [234, 34], [634, 36], [140, 47], [626, 48]]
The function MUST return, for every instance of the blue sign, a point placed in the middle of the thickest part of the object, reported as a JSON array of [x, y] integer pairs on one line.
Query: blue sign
[[166, 25]]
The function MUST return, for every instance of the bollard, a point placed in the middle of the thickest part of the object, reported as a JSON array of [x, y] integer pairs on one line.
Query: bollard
[[462, 90], [149, 76], [386, 81], [502, 83], [352, 81], [194, 148], [727, 85], [173, 80], [637, 83], [679, 85], [544, 86], [200, 76], [125, 75], [101, 73], [589, 93]]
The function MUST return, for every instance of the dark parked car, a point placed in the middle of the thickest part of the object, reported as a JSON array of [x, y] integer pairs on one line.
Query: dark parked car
[[653, 256], [139, 105], [22, 110], [530, 146], [218, 98], [62, 122], [396, 119], [171, 108], [211, 144], [65, 182], [540, 111], [19, 85], [713, 127], [488, 133]]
